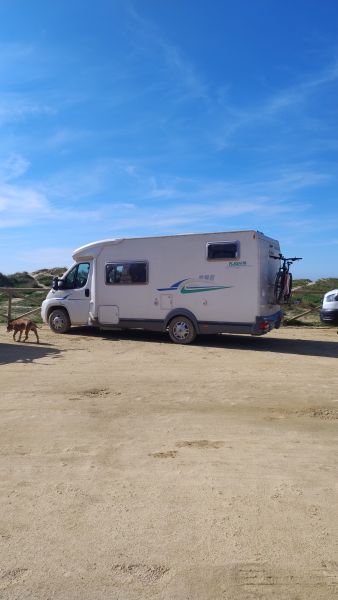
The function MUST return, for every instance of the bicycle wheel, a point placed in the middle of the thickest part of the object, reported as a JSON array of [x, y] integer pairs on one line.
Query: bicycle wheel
[[288, 287], [279, 287]]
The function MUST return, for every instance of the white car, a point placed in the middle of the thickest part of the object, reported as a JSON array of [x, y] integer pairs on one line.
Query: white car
[[329, 310]]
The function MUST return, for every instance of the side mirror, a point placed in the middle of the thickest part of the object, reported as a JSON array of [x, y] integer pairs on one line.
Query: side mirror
[[58, 284]]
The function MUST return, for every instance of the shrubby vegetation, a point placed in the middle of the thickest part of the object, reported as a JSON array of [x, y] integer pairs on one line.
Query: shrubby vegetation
[[26, 301], [45, 276], [5, 281], [306, 298]]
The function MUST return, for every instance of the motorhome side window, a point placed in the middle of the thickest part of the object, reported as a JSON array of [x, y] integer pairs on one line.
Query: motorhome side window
[[126, 273], [77, 277], [222, 250]]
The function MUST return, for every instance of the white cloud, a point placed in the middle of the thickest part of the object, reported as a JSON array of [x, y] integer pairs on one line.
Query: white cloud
[[20, 201], [116, 195], [13, 167], [67, 137], [23, 205], [18, 107]]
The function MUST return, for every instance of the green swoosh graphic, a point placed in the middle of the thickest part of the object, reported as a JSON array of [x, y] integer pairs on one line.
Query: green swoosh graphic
[[185, 290]]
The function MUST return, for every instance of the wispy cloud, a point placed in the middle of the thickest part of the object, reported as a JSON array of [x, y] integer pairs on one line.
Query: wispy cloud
[[15, 107], [21, 66], [66, 138], [189, 83], [13, 166], [22, 205], [145, 198], [278, 104], [301, 91]]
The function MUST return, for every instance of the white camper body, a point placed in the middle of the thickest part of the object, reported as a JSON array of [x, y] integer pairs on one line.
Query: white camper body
[[189, 284]]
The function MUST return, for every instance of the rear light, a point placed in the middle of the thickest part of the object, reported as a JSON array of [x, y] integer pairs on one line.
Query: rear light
[[264, 325]]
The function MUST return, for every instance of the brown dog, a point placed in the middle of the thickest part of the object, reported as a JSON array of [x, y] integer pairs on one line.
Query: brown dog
[[23, 325]]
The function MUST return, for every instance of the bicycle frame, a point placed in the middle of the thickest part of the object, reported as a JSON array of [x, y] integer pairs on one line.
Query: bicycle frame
[[283, 283]]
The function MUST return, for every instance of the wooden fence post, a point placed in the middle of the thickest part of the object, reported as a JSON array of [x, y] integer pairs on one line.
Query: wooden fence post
[[9, 316]]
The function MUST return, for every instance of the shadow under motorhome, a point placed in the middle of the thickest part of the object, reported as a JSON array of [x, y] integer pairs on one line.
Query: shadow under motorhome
[[187, 284]]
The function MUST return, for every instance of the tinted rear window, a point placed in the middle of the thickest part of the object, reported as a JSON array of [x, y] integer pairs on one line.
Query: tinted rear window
[[222, 250], [126, 273]]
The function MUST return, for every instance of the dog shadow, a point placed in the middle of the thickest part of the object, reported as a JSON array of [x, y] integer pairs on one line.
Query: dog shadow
[[27, 352]]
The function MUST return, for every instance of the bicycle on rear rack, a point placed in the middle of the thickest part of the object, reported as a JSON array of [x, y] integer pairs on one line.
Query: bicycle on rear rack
[[283, 282]]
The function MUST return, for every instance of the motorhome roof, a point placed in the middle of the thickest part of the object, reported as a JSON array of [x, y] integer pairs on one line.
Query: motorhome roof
[[142, 237], [88, 251]]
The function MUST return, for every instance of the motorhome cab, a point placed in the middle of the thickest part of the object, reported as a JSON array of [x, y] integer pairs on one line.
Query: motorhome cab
[[185, 284]]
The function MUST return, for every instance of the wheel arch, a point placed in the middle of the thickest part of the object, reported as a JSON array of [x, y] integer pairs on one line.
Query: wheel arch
[[181, 312], [56, 307]]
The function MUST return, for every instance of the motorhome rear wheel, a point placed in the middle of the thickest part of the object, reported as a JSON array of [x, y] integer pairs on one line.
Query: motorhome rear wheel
[[181, 330]]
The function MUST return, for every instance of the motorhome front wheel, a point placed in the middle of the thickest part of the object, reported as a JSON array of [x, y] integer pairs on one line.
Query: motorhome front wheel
[[59, 321], [181, 330]]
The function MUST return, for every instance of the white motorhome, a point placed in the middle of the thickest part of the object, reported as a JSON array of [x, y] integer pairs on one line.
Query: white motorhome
[[187, 284]]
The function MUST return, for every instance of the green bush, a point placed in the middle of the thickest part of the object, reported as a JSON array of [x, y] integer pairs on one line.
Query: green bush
[[23, 279], [5, 281]]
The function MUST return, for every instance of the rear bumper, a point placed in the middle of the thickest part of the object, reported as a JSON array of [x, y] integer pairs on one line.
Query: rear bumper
[[265, 324], [329, 316]]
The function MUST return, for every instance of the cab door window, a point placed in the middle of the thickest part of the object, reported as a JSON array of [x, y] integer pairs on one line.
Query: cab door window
[[81, 275], [77, 277]]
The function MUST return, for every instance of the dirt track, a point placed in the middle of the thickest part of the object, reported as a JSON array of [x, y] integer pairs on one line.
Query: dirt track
[[134, 469]]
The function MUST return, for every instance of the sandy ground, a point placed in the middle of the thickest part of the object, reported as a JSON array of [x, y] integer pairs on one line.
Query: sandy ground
[[134, 469]]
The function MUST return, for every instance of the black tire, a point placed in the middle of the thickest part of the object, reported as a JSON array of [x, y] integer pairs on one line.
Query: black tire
[[279, 287], [59, 321], [287, 296], [181, 330]]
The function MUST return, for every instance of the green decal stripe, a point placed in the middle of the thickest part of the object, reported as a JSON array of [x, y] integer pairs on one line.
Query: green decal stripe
[[185, 290]]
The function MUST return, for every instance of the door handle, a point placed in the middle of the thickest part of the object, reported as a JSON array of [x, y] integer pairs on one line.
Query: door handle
[[87, 293]]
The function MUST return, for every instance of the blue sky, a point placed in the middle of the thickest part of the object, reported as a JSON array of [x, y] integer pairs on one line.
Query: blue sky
[[148, 117]]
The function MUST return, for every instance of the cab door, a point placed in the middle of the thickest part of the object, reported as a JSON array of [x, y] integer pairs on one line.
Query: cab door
[[76, 285]]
